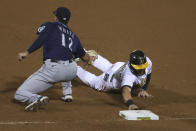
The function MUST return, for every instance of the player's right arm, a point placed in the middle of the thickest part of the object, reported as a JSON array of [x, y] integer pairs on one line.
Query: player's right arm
[[126, 94], [43, 33], [127, 83]]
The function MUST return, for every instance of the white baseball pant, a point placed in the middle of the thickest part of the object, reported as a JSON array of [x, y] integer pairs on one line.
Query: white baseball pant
[[95, 82]]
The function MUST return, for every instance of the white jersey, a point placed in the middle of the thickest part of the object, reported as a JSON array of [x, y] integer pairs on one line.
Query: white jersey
[[114, 76], [120, 75]]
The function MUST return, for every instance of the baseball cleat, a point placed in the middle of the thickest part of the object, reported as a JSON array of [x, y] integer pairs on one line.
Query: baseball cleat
[[44, 100], [34, 106], [67, 98]]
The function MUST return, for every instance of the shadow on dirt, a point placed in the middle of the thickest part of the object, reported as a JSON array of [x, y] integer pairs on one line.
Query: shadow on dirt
[[11, 86], [54, 93], [165, 96], [76, 83], [161, 96]]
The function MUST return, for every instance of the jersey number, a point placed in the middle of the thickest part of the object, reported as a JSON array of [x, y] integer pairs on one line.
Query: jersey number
[[70, 42]]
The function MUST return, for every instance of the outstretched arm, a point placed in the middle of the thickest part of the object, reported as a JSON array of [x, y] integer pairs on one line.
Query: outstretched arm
[[143, 93], [126, 94], [43, 33], [36, 45], [89, 58], [147, 82]]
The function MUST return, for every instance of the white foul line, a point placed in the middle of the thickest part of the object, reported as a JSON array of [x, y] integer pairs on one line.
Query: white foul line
[[52, 122], [26, 122], [183, 118]]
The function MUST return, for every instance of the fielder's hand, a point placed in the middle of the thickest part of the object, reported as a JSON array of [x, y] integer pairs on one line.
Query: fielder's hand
[[133, 107], [144, 94], [22, 55]]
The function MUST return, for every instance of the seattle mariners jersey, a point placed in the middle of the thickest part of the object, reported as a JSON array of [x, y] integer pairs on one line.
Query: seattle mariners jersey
[[60, 45], [58, 42]]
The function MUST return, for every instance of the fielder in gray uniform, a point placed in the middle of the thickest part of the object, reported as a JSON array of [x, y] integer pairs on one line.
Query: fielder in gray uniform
[[60, 46]]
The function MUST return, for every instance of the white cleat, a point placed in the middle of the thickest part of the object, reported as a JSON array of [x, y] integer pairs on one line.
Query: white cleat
[[34, 106], [44, 100], [67, 98]]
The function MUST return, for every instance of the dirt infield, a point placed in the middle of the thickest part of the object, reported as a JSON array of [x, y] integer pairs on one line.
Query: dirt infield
[[164, 29]]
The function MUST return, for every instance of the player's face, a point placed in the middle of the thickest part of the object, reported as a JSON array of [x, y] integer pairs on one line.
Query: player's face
[[140, 72]]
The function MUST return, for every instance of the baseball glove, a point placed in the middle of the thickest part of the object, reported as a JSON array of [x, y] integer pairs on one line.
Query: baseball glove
[[93, 55]]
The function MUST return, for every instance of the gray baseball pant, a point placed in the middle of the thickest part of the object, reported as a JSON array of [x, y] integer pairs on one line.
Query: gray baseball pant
[[49, 74]]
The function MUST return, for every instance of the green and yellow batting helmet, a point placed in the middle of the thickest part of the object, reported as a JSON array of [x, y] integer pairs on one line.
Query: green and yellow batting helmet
[[137, 60]]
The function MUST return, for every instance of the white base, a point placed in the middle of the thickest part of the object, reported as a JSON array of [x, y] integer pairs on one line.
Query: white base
[[138, 115]]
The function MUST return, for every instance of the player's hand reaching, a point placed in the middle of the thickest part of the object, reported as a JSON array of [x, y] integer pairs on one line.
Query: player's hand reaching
[[22, 55], [133, 107], [92, 56], [144, 94]]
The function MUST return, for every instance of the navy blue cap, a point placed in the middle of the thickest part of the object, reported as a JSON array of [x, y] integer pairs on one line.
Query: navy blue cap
[[62, 13]]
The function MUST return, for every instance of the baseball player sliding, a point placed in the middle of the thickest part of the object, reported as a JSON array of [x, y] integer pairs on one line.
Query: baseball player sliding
[[130, 76], [60, 46]]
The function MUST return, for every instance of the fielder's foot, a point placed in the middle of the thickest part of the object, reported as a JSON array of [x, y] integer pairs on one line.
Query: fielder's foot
[[44, 100], [67, 98], [34, 106]]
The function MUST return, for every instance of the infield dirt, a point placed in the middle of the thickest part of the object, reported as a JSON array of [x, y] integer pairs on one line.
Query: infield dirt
[[164, 29]]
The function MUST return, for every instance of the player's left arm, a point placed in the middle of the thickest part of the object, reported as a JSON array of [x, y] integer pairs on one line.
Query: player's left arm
[[143, 93], [147, 82]]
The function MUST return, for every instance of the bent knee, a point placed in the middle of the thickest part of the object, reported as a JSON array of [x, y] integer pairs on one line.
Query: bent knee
[[17, 94], [20, 96]]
